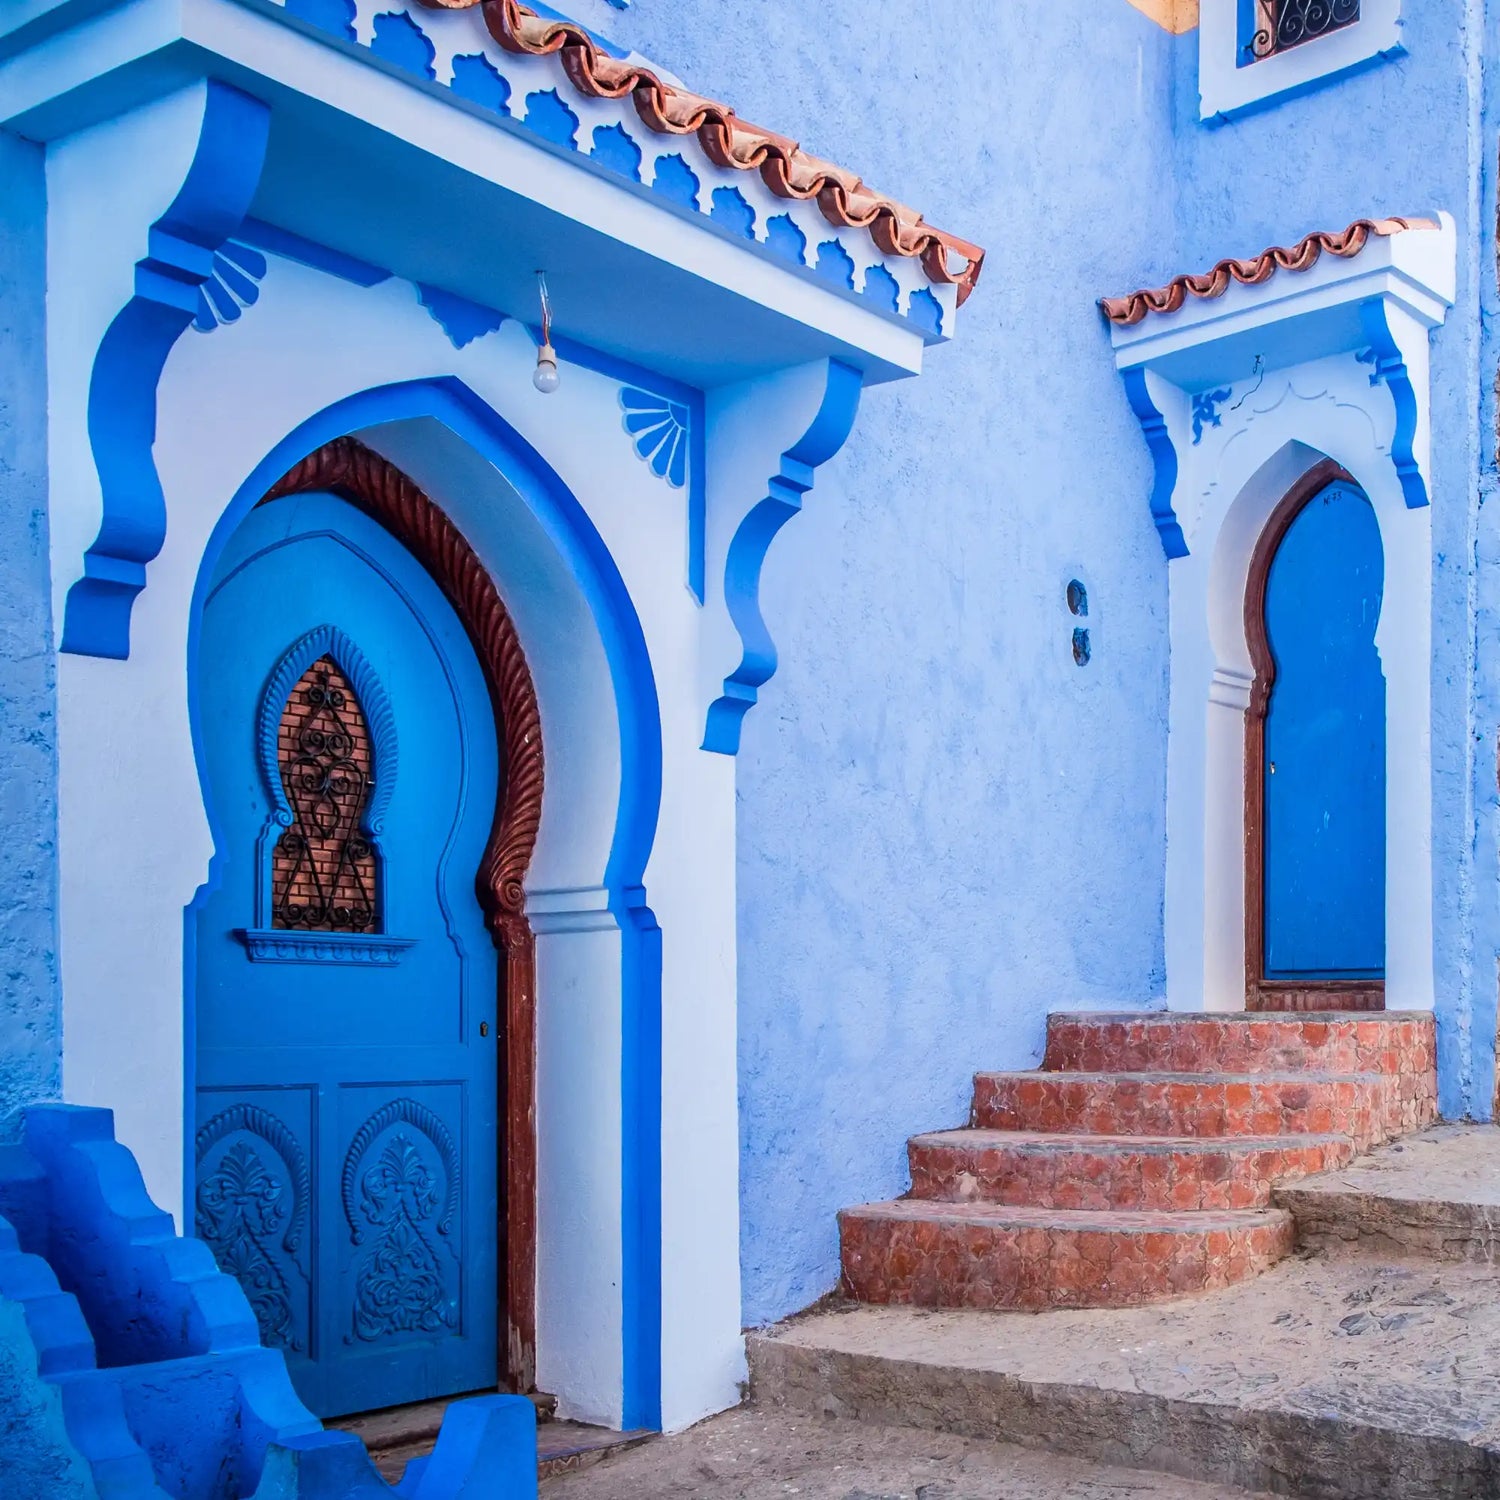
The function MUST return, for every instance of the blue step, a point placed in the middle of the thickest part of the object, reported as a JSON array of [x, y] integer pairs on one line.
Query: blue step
[[131, 1367]]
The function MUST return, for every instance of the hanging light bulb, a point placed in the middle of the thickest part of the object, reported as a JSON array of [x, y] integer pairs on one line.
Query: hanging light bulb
[[545, 377]]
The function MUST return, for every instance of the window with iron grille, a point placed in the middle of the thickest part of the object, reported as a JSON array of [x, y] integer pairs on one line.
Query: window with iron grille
[[1283, 24], [324, 872]]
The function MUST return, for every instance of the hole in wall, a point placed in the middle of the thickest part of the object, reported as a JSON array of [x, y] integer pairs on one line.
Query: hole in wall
[[1078, 598], [1081, 648]]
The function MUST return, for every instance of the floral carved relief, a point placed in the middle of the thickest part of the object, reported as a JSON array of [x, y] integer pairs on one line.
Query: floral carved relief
[[401, 1194], [251, 1206]]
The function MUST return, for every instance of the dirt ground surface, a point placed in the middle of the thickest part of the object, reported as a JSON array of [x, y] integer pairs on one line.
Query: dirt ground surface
[[751, 1454]]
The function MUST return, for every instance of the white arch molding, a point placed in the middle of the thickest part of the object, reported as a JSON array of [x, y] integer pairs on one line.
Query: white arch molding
[[135, 842], [1240, 397]]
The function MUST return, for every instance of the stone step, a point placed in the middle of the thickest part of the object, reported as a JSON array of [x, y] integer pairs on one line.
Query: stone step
[[1431, 1197], [985, 1255], [1394, 1042], [1152, 1173], [1358, 1105], [1334, 1377]]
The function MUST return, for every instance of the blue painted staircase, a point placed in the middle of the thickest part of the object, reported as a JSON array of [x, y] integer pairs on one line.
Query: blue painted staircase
[[131, 1368]]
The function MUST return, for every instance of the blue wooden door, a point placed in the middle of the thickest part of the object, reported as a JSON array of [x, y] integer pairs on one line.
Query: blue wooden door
[[345, 996], [1324, 772]]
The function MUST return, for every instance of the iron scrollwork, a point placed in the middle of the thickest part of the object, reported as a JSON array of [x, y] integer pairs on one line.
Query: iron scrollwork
[[1283, 24], [324, 871]]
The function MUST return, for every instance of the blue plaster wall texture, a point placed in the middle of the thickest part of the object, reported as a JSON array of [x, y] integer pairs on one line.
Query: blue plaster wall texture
[[947, 827], [30, 1007]]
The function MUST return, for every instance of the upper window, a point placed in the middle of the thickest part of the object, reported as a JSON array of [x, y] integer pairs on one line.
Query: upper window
[[1253, 52], [1281, 24]]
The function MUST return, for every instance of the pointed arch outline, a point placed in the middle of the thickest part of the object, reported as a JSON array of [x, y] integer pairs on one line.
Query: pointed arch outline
[[455, 406], [1261, 993]]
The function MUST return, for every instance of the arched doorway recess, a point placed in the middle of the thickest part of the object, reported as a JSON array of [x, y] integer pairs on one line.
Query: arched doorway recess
[[347, 469], [1315, 753]]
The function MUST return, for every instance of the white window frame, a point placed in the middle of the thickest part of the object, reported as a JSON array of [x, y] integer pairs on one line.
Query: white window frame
[[1227, 87]]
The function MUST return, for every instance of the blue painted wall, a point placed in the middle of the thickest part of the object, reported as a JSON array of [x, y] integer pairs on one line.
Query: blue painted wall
[[30, 1007], [947, 827]]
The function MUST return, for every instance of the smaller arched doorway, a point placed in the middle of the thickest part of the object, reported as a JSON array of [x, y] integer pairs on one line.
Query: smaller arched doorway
[[1315, 762]]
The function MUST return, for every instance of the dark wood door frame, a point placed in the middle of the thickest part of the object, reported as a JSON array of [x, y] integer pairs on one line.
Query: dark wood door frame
[[360, 475], [1262, 993]]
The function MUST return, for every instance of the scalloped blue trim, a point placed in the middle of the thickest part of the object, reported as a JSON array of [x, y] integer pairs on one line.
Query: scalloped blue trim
[[925, 311], [675, 180], [398, 39], [882, 287], [785, 239], [615, 148], [835, 264], [548, 117], [208, 209], [478, 80], [747, 553], [732, 209]]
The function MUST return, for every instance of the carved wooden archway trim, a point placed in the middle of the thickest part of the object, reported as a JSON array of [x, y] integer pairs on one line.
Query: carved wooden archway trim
[[378, 488], [1262, 993]]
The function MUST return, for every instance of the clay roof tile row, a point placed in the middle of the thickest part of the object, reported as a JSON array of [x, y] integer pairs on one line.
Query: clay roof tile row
[[730, 142], [1133, 308]]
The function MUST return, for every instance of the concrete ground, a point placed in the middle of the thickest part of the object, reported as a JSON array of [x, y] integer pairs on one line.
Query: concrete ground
[[751, 1454], [1365, 1367]]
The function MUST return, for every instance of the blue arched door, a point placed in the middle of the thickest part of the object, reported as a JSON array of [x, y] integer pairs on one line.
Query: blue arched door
[[1323, 764], [345, 985]]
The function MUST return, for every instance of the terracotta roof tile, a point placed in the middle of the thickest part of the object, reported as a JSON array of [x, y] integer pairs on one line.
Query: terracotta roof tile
[[731, 142], [1131, 309]]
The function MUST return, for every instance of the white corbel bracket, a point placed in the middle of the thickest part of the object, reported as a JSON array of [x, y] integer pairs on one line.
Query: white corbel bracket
[[1183, 370]]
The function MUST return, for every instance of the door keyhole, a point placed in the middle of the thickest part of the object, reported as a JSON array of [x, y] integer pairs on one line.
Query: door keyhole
[[484, 1028]]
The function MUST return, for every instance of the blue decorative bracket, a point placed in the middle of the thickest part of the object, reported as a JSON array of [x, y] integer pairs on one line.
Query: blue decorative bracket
[[1390, 369], [747, 553], [181, 250], [1164, 455]]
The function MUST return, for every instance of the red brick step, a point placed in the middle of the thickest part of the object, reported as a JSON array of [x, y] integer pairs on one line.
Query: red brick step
[[1140, 1163], [985, 1255], [1392, 1042], [1160, 1173], [1193, 1104]]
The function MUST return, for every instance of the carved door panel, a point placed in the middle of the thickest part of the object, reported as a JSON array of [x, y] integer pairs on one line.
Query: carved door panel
[[345, 985]]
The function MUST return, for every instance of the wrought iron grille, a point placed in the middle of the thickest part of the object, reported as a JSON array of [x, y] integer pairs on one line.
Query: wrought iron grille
[[323, 872], [1283, 24]]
